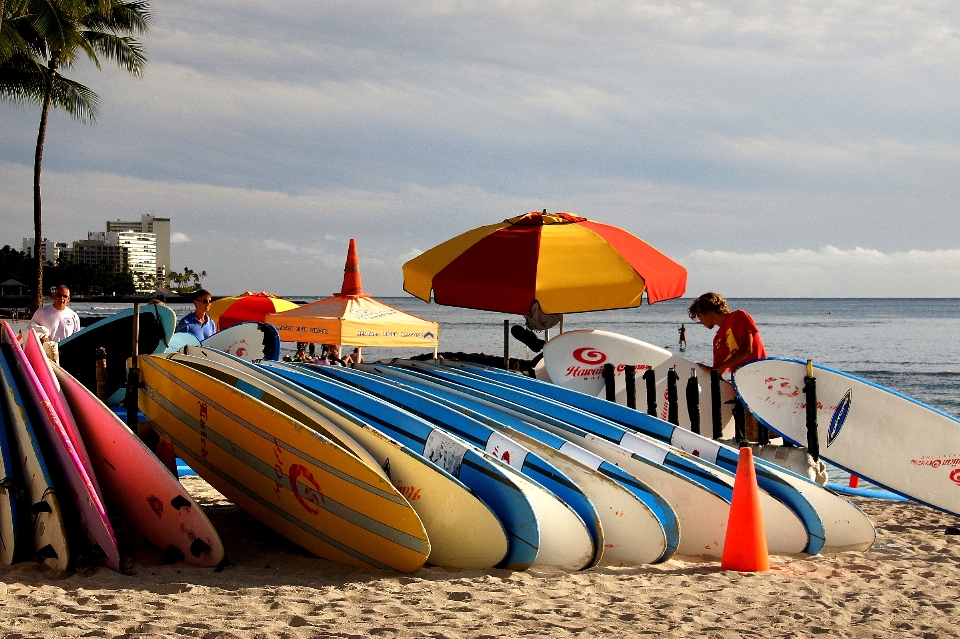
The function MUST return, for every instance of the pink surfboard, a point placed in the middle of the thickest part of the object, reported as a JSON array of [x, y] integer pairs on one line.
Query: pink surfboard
[[41, 366], [80, 490], [137, 484]]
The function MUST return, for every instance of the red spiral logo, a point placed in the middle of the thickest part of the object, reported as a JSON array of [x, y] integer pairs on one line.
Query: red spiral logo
[[955, 476], [589, 355]]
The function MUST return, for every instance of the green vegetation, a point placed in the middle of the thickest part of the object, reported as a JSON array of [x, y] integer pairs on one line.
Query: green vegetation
[[41, 38], [181, 282], [82, 279]]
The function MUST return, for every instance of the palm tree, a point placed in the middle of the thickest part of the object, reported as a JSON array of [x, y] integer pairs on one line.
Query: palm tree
[[57, 33]]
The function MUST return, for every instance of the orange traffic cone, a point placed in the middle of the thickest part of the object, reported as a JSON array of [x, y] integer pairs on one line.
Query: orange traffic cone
[[745, 546], [352, 286]]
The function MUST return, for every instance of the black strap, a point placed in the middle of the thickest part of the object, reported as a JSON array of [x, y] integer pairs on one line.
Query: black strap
[[693, 403]]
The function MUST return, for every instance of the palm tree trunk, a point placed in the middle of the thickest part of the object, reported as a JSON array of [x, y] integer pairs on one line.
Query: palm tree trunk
[[37, 162]]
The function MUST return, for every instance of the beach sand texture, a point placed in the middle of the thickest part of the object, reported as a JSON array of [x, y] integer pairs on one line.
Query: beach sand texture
[[908, 585]]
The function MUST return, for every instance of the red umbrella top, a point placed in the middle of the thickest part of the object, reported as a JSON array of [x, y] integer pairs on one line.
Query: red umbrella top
[[566, 262]]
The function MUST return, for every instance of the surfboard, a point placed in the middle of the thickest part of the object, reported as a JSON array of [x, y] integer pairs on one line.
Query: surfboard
[[464, 532], [179, 340], [115, 335], [844, 526], [575, 360], [482, 436], [81, 493], [288, 476], [702, 514], [890, 439], [48, 538], [639, 526], [137, 484], [10, 530], [43, 368], [250, 341], [520, 505], [783, 526], [281, 401]]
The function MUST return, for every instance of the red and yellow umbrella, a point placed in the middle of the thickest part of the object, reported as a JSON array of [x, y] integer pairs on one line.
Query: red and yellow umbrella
[[247, 307], [566, 262]]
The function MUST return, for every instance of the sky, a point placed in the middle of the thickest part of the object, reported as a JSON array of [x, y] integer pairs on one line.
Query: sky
[[801, 149]]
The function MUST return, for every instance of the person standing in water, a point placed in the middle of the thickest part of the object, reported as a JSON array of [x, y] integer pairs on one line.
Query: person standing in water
[[683, 337]]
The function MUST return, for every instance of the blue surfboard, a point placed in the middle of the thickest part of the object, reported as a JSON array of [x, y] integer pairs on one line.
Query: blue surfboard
[[481, 436], [480, 474], [500, 420]]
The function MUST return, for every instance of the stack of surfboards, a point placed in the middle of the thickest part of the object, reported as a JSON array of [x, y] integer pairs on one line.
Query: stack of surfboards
[[893, 441], [67, 459], [400, 463]]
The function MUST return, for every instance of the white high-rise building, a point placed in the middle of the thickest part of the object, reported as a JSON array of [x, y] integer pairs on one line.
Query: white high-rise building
[[140, 254], [49, 250], [160, 227]]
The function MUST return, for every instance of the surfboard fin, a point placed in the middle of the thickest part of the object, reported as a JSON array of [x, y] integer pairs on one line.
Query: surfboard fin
[[179, 502], [40, 507], [47, 552], [198, 547]]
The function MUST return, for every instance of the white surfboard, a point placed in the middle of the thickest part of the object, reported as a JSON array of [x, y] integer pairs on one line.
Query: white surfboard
[[575, 360], [845, 527], [250, 341], [876, 433]]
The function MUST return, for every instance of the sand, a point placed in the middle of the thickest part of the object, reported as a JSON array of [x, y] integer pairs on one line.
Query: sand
[[907, 585]]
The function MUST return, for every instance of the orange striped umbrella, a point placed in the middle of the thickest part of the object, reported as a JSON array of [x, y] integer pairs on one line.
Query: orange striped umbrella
[[566, 262]]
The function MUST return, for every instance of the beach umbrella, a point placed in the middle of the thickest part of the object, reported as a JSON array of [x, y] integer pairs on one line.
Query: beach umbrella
[[247, 307], [355, 318], [567, 263]]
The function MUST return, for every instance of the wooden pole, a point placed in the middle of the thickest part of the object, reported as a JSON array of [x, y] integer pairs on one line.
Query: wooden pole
[[506, 344]]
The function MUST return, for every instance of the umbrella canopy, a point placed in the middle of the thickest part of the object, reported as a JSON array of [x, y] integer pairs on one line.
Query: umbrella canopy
[[566, 262], [246, 307], [354, 318], [357, 321]]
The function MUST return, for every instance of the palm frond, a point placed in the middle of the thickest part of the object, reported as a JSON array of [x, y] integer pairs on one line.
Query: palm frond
[[79, 101], [127, 52]]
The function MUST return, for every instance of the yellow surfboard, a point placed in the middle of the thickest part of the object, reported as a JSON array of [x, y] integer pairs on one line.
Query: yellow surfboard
[[291, 478]]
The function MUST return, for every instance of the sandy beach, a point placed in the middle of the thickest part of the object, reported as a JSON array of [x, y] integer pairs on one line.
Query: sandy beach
[[907, 585]]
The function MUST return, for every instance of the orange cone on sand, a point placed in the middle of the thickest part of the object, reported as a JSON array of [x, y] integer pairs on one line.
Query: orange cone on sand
[[745, 546], [352, 286]]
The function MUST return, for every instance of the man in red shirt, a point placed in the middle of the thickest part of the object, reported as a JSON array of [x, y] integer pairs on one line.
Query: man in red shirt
[[737, 340]]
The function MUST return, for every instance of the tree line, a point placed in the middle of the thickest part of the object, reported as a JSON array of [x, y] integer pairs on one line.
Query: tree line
[[92, 279], [39, 39], [82, 279]]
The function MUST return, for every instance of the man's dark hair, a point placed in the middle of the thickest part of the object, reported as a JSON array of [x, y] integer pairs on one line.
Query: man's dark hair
[[198, 294], [706, 303]]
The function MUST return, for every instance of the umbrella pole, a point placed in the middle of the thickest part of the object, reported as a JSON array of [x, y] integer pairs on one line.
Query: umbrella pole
[[506, 344]]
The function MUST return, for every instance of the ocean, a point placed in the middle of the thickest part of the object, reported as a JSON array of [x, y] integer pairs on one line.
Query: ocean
[[909, 345]]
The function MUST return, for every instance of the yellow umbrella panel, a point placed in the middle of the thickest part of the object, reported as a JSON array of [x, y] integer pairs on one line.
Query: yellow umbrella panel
[[355, 321]]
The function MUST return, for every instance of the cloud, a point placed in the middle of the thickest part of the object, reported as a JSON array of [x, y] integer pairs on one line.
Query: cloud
[[827, 272], [179, 238]]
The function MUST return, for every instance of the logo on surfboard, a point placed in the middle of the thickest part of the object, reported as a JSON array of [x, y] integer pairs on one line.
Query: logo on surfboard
[[839, 418], [955, 476], [589, 355]]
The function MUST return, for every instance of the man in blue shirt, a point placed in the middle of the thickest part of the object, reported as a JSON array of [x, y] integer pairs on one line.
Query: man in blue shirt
[[198, 323]]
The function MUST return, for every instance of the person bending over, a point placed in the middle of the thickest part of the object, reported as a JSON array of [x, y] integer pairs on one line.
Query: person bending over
[[736, 342]]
